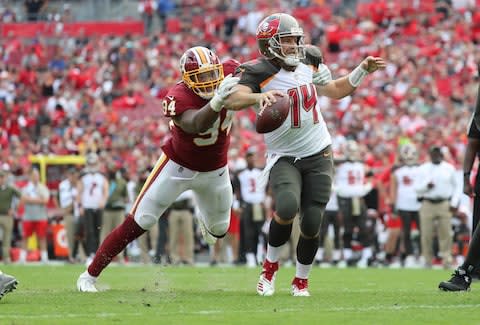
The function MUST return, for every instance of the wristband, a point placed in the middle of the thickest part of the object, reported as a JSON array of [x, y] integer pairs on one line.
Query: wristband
[[356, 76], [465, 174]]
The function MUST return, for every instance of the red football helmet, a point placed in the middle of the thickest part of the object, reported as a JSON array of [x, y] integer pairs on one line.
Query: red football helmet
[[269, 38], [201, 71]]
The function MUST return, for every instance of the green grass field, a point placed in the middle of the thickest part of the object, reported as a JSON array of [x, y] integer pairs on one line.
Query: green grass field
[[215, 295]]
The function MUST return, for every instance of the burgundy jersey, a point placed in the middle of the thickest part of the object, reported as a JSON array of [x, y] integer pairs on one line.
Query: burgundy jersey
[[201, 152]]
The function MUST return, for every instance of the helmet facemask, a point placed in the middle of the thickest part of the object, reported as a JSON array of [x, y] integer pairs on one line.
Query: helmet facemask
[[276, 47], [204, 81]]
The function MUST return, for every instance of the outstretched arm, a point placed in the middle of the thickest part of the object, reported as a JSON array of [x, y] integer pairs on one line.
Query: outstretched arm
[[198, 121], [244, 97], [346, 85]]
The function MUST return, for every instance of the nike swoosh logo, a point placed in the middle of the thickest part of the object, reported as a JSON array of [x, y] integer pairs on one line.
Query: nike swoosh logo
[[170, 97], [222, 173]]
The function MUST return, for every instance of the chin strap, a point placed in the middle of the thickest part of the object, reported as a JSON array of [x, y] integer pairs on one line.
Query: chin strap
[[290, 61]]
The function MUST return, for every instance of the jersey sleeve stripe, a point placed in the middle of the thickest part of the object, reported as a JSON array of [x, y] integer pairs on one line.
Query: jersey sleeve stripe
[[151, 178], [266, 81]]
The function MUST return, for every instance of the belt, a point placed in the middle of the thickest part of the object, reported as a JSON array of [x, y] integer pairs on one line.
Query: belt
[[435, 201]]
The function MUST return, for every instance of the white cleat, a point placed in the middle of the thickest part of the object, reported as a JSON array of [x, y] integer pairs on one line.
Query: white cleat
[[265, 287], [266, 282], [86, 283], [300, 288], [208, 237]]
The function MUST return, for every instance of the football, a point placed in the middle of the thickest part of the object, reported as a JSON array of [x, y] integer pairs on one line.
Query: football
[[271, 117]]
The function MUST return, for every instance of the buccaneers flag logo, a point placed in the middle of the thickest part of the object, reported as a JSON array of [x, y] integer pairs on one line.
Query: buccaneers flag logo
[[268, 29]]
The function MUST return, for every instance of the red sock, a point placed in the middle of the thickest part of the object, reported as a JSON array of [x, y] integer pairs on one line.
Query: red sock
[[114, 243]]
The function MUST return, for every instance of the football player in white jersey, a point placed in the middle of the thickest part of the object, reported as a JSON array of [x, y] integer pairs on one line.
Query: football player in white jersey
[[404, 198], [299, 157], [92, 196], [351, 186]]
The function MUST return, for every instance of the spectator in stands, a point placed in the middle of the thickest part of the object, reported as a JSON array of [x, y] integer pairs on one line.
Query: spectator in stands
[[8, 194], [146, 9], [34, 9], [35, 197], [164, 8]]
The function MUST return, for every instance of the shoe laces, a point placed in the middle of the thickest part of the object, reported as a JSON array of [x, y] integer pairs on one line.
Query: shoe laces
[[461, 277], [301, 284], [269, 270]]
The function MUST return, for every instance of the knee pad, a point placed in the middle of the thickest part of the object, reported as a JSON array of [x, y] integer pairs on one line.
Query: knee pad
[[219, 229], [311, 221], [146, 221], [286, 205]]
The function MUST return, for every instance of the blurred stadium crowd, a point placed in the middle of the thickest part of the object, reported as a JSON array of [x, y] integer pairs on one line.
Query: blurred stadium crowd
[[63, 95]]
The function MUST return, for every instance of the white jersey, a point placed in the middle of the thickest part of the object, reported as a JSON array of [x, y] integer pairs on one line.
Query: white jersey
[[304, 131], [350, 180], [66, 193], [406, 199], [332, 204], [92, 195], [252, 192]]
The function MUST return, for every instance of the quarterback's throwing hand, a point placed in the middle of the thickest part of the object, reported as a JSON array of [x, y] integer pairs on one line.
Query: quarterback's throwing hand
[[372, 64], [268, 98]]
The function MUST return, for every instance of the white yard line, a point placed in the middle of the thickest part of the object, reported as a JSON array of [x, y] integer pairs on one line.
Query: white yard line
[[278, 310]]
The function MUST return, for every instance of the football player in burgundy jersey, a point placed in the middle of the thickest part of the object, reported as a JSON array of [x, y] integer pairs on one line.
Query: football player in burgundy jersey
[[194, 158], [299, 158]]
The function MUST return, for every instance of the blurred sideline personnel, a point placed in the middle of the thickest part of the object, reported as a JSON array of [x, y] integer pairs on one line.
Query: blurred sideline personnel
[[437, 188], [462, 277], [35, 197], [67, 194], [404, 199], [352, 187], [92, 197], [180, 229], [252, 196], [195, 157], [299, 155], [8, 283], [8, 194]]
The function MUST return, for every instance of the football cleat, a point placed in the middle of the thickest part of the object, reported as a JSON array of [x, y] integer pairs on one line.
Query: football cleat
[[266, 283], [207, 236], [300, 287], [460, 281], [86, 283], [7, 284]]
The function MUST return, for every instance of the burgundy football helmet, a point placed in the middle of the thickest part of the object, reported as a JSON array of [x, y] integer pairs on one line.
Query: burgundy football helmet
[[269, 38], [201, 71]]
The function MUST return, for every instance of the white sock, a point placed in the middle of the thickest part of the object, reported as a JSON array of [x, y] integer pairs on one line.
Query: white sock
[[347, 254], [44, 256], [273, 253], [367, 253], [23, 256], [86, 274], [302, 271], [336, 255], [319, 255], [251, 259]]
